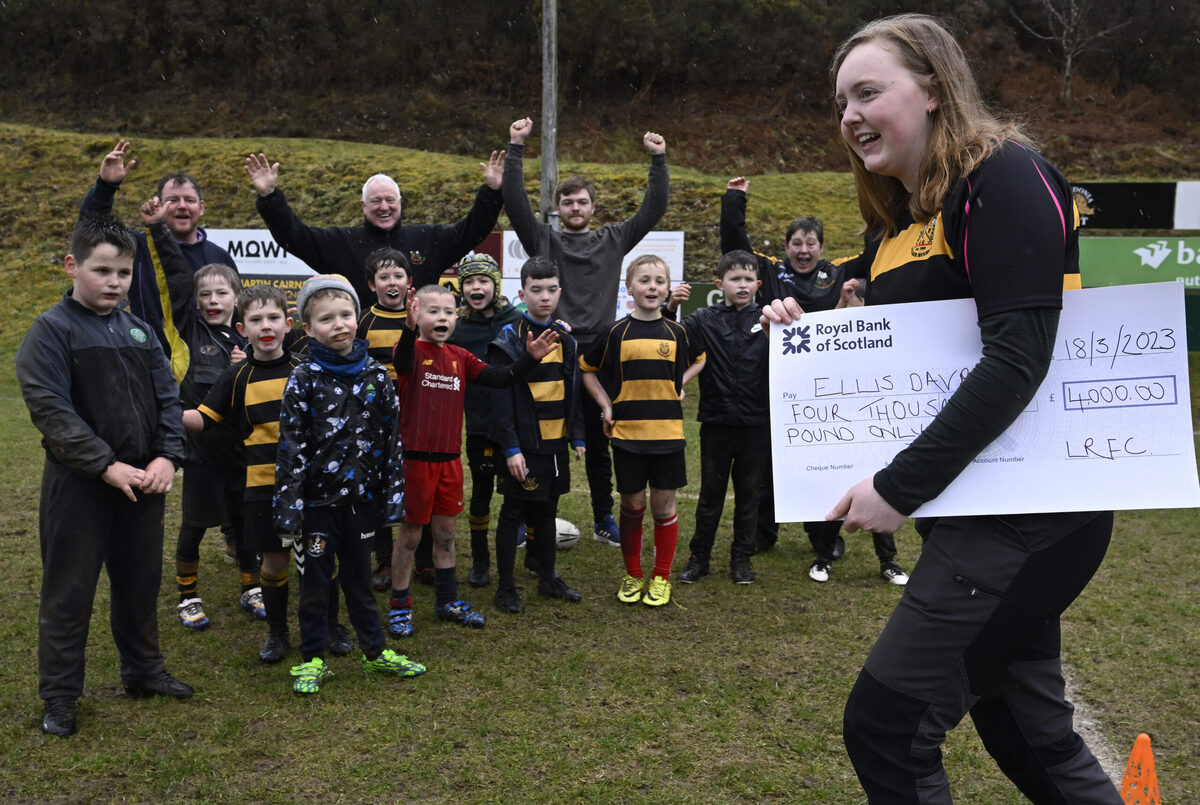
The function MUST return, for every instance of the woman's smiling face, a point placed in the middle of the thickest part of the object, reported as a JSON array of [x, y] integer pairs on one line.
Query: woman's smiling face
[[886, 115]]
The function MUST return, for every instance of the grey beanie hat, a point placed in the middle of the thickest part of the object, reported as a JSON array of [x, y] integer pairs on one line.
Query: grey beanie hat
[[321, 282]]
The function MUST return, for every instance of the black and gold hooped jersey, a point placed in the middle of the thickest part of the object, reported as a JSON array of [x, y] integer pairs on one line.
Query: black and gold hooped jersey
[[1007, 236], [540, 413], [381, 329], [645, 362], [250, 396], [547, 384]]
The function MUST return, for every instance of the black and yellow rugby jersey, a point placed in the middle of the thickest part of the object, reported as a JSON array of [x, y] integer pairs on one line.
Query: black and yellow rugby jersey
[[645, 361], [250, 396], [548, 389], [540, 413], [381, 328], [1007, 235]]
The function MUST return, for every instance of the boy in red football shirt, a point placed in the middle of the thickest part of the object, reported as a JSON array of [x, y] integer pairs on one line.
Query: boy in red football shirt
[[431, 378]]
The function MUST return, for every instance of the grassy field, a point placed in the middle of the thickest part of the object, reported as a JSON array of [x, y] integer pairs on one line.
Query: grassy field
[[729, 694]]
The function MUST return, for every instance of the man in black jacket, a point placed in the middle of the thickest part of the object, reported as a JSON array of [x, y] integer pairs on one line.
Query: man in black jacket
[[431, 248], [146, 291]]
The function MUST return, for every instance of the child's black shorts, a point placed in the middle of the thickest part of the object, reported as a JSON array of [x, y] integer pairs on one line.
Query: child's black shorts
[[259, 530], [211, 494], [636, 471], [545, 475], [483, 456]]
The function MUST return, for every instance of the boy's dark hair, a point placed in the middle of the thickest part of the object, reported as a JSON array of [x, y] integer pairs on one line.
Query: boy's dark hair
[[92, 230], [179, 177], [263, 293], [573, 184], [738, 258], [218, 270], [538, 268], [806, 224], [384, 257]]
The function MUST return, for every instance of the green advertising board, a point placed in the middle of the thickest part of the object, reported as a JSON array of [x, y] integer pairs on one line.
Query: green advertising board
[[703, 295], [1132, 261]]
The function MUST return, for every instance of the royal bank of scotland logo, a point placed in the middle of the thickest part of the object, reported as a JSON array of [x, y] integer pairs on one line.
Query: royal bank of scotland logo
[[795, 340]]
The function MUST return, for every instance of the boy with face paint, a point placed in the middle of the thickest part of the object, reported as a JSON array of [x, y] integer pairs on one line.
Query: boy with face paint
[[389, 274], [484, 312]]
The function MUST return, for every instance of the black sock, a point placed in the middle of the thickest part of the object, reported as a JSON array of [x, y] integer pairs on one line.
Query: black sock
[[275, 599], [445, 586]]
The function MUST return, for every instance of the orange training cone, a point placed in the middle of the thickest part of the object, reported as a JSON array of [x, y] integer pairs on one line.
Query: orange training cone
[[1139, 786]]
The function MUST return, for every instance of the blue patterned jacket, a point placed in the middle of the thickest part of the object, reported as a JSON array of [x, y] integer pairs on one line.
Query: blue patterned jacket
[[338, 441]]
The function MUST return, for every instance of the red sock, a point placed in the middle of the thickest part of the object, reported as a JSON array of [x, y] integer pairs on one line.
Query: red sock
[[666, 535], [631, 541]]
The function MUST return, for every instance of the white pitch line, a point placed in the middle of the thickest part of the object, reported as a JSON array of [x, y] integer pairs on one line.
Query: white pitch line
[[1110, 757]]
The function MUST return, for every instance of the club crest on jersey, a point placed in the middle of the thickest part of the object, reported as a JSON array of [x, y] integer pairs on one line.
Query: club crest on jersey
[[824, 280], [138, 334], [664, 348], [416, 257], [530, 483], [314, 545], [925, 239]]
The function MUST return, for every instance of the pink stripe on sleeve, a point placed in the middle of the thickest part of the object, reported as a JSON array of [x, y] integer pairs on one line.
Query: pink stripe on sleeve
[[1061, 218], [967, 230]]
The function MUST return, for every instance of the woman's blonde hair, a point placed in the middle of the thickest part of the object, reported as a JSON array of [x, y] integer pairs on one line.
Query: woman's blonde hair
[[964, 133]]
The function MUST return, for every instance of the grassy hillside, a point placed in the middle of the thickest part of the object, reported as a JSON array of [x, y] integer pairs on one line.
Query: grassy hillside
[[46, 174]]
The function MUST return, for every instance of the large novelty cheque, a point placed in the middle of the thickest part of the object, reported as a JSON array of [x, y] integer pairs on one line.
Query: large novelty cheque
[[1109, 428]]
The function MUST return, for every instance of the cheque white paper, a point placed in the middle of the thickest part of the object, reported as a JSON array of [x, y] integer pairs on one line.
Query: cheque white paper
[[1109, 428]]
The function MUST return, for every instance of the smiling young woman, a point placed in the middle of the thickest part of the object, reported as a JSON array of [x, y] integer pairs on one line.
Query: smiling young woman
[[958, 205]]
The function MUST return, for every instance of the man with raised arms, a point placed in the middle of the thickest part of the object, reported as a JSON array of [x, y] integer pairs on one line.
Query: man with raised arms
[[589, 262], [431, 248]]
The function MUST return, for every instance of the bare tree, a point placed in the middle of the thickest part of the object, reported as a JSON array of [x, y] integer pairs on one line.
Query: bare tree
[[1068, 24]]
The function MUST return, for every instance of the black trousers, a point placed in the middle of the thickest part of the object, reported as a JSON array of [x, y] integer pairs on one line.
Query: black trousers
[[767, 528], [597, 462], [740, 452], [822, 534], [483, 457], [977, 631], [84, 524], [338, 540], [536, 514]]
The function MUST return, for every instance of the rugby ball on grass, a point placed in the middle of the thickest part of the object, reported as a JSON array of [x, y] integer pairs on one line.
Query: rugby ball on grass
[[568, 534]]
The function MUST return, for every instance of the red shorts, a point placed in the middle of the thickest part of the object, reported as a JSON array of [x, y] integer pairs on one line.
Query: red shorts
[[432, 487]]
